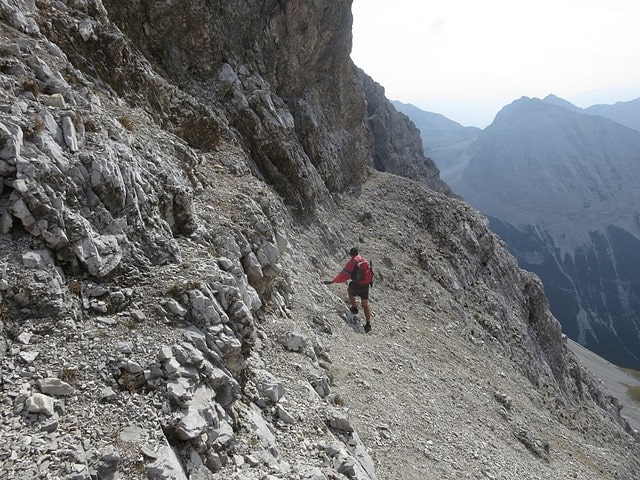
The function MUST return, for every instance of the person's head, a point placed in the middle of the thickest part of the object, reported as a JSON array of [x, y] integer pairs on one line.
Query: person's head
[[353, 252]]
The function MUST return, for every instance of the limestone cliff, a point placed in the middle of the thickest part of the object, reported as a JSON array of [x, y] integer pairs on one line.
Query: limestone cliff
[[178, 178], [397, 146], [272, 76]]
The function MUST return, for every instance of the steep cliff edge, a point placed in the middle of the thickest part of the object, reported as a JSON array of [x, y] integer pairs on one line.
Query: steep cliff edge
[[397, 146], [177, 179]]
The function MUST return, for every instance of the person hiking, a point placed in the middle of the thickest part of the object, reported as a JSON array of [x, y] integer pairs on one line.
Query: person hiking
[[359, 271]]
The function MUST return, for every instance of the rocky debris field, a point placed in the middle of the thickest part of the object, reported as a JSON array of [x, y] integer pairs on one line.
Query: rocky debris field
[[429, 393]]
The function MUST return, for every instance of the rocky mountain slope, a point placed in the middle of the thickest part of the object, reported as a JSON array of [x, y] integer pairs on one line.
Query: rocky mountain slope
[[559, 186], [443, 140], [436, 130], [178, 179], [397, 144], [623, 383]]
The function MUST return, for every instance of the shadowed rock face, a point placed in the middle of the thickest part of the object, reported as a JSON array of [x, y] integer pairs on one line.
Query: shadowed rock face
[[273, 76], [397, 143]]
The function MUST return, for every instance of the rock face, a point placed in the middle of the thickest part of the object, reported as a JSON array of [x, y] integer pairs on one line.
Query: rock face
[[397, 143], [177, 179], [277, 74]]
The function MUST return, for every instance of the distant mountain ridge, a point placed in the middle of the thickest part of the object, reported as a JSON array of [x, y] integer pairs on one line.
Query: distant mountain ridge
[[558, 183], [448, 141], [625, 113], [436, 126], [561, 102], [556, 156]]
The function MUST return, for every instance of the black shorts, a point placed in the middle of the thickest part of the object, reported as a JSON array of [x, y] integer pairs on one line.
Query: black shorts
[[358, 290]]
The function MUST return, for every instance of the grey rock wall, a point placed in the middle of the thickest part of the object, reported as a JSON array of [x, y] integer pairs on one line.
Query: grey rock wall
[[397, 144]]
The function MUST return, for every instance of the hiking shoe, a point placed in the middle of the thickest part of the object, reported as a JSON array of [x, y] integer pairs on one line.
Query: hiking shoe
[[367, 327], [354, 310]]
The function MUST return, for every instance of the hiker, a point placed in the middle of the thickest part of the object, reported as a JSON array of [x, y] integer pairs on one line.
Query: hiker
[[359, 272]]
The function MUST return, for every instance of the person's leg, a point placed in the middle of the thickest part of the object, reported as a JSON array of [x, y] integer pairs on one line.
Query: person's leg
[[363, 292], [352, 300], [351, 290], [367, 310]]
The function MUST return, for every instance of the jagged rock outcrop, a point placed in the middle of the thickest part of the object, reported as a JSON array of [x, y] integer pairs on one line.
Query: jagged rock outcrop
[[174, 179], [397, 145], [275, 77], [108, 163]]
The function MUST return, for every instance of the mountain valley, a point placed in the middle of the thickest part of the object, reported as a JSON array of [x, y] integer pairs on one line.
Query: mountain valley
[[558, 185]]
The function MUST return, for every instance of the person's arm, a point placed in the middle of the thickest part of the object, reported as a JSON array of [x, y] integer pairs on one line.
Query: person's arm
[[345, 274]]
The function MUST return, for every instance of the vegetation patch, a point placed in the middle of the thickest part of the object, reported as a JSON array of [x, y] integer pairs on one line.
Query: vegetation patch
[[32, 131], [634, 392], [69, 375], [127, 123], [31, 85], [632, 372], [178, 289]]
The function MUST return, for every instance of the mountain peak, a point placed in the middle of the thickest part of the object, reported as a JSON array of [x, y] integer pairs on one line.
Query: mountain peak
[[561, 102], [548, 166]]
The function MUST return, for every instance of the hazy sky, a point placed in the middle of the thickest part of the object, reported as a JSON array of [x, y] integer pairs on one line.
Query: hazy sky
[[466, 59]]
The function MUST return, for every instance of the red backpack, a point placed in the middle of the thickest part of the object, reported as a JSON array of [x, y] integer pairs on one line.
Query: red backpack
[[362, 272]]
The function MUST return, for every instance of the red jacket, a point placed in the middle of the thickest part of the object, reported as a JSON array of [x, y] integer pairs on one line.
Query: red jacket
[[345, 273]]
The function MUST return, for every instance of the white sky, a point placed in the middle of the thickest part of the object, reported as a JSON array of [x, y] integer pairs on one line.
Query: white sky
[[466, 59]]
